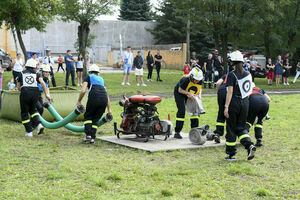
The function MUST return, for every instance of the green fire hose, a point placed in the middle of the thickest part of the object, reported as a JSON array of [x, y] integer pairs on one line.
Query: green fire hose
[[64, 121], [71, 127]]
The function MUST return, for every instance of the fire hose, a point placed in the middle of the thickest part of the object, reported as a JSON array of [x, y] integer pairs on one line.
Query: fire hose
[[71, 127]]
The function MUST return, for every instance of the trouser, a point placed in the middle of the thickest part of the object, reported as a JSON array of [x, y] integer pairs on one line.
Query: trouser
[[1, 83], [28, 102], [208, 79], [236, 125], [158, 71], [15, 75], [94, 111], [221, 118], [40, 105], [150, 70], [60, 65], [52, 77], [180, 103], [296, 76], [252, 72], [72, 72], [258, 107]]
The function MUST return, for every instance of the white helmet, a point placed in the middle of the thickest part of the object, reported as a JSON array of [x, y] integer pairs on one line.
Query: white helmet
[[196, 74], [31, 63], [94, 68], [46, 68], [216, 73], [237, 56]]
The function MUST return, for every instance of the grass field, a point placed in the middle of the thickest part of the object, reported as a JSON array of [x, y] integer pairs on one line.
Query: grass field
[[170, 79], [57, 165]]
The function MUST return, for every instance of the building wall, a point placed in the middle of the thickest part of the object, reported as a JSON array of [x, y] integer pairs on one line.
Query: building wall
[[7, 41], [61, 36]]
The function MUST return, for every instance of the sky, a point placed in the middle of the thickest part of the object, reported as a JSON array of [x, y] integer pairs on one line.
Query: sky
[[115, 16]]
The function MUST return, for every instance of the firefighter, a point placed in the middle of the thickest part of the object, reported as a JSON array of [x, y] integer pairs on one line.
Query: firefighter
[[258, 107], [188, 87], [45, 75], [222, 91], [98, 101], [28, 84], [239, 84]]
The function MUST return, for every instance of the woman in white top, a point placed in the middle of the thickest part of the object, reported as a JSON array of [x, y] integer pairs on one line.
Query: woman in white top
[[17, 65], [79, 70]]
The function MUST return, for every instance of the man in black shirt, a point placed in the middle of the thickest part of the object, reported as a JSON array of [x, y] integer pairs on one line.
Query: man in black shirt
[[138, 63], [194, 60], [158, 60], [208, 70], [28, 84]]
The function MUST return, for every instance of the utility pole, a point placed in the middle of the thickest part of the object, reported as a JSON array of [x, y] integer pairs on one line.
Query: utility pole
[[188, 27]]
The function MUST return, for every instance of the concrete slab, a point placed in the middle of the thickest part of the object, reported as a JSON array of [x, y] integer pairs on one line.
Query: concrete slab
[[158, 144]]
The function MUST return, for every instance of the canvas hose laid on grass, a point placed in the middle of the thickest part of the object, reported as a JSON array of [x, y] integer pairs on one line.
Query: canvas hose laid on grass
[[103, 120]]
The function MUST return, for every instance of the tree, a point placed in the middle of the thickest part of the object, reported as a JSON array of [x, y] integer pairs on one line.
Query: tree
[[135, 10], [170, 26], [22, 15], [86, 13]]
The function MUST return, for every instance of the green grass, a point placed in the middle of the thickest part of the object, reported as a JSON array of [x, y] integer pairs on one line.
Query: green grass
[[165, 88], [57, 165]]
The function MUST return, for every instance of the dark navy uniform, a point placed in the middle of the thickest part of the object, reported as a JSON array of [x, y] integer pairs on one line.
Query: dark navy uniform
[[221, 102], [238, 112], [96, 105], [29, 95], [258, 107], [186, 84], [40, 103]]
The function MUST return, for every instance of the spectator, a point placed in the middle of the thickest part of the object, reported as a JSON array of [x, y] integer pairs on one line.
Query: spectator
[[208, 70], [150, 62], [278, 70], [1, 76], [270, 67], [253, 66], [247, 65], [17, 64], [48, 60], [286, 72], [285, 58], [79, 69], [60, 63], [128, 61], [158, 60], [186, 69], [69, 60], [194, 59], [297, 72], [34, 56], [11, 85], [138, 64], [218, 67]]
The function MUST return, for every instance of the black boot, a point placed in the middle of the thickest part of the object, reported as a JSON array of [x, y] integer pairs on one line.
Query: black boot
[[177, 136], [258, 143], [251, 152]]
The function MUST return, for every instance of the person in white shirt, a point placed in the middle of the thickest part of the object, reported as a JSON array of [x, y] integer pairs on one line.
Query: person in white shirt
[[128, 61], [17, 65], [79, 70], [48, 60]]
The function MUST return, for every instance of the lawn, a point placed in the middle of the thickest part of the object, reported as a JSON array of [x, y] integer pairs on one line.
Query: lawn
[[57, 165], [165, 88]]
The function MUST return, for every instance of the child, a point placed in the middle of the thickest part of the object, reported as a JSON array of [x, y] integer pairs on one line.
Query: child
[[1, 76], [286, 72], [45, 75], [98, 101], [186, 69], [79, 70], [28, 81], [60, 63], [11, 85], [138, 64]]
